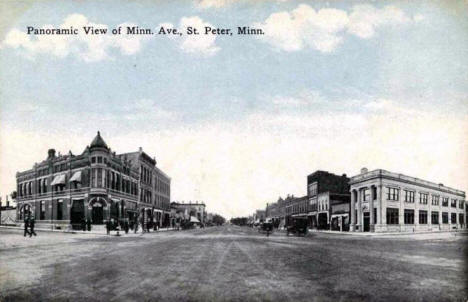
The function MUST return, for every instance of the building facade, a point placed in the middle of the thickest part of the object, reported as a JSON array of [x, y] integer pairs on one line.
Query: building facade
[[328, 196], [96, 185], [382, 201], [190, 209]]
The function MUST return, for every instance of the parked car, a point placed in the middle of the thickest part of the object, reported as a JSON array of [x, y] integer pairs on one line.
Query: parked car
[[298, 226]]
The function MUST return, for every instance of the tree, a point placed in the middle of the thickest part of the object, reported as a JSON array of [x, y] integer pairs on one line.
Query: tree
[[218, 219], [13, 195]]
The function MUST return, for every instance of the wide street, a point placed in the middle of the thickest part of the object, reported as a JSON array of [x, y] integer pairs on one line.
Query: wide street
[[232, 263]]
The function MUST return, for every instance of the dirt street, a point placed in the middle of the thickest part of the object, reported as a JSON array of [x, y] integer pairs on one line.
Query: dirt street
[[231, 263]]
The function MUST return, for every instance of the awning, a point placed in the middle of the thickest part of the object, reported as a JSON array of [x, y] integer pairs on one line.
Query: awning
[[58, 180], [194, 219], [76, 177]]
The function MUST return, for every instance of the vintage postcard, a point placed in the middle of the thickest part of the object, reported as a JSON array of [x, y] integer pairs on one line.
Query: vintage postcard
[[233, 150]]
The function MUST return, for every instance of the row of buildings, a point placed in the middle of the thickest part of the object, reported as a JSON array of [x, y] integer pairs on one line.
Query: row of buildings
[[372, 201], [99, 185]]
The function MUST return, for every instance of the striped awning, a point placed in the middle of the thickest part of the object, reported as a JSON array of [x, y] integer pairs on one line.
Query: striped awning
[[58, 180], [76, 177]]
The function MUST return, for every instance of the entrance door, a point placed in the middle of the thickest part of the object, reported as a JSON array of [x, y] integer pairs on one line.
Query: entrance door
[[97, 215], [322, 221], [77, 214], [366, 221]]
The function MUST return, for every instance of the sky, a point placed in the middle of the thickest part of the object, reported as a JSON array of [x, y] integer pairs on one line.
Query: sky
[[238, 121]]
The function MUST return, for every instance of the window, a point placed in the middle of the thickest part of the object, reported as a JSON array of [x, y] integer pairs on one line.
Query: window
[[453, 218], [93, 160], [99, 160], [422, 217], [460, 204], [461, 219], [435, 200], [409, 196], [105, 160], [42, 211], [444, 217], [409, 216], [445, 201], [392, 193], [392, 216], [423, 197], [453, 203], [435, 217], [313, 189], [99, 178], [365, 194]]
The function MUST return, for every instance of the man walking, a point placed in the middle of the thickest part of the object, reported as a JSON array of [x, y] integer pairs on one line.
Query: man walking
[[31, 227], [26, 226]]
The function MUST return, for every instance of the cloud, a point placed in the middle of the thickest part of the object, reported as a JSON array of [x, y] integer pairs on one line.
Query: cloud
[[307, 97], [205, 4], [202, 44], [89, 48], [324, 29]]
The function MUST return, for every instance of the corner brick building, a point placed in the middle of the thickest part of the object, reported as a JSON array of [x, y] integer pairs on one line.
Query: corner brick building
[[96, 185]]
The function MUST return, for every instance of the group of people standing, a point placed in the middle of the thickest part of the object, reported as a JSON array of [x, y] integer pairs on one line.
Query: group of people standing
[[29, 223], [132, 224]]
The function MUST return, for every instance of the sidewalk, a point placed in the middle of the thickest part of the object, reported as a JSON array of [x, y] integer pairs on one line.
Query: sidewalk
[[93, 232]]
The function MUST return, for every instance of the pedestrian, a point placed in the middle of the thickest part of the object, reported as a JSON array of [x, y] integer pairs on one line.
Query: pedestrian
[[126, 226], [88, 224], [31, 227], [26, 226], [83, 225], [108, 226]]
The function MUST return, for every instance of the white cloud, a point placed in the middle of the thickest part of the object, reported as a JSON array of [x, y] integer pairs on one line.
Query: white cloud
[[324, 29], [304, 98], [89, 48], [205, 4], [364, 20], [201, 44]]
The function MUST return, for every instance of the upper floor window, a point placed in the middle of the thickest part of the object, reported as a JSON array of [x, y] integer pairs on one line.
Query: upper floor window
[[453, 203], [445, 201], [93, 160], [365, 194], [435, 200], [99, 160], [313, 189], [423, 197], [409, 196], [392, 193], [461, 204]]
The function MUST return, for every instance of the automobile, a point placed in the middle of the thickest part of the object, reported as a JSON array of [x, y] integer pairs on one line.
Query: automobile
[[298, 226], [266, 227]]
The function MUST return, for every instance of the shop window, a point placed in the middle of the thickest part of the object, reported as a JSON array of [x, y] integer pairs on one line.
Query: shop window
[[409, 216], [392, 216], [42, 211], [422, 217], [453, 218], [445, 217], [461, 219], [435, 217]]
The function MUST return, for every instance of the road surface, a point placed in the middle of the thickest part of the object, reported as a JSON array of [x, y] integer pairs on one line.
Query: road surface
[[232, 263]]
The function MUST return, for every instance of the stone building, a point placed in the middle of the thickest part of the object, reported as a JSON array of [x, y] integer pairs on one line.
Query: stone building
[[382, 201], [96, 185]]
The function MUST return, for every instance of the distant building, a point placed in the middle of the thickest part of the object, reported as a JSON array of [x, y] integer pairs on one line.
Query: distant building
[[328, 200], [382, 201], [96, 185], [190, 209], [260, 215], [7, 213], [295, 207]]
